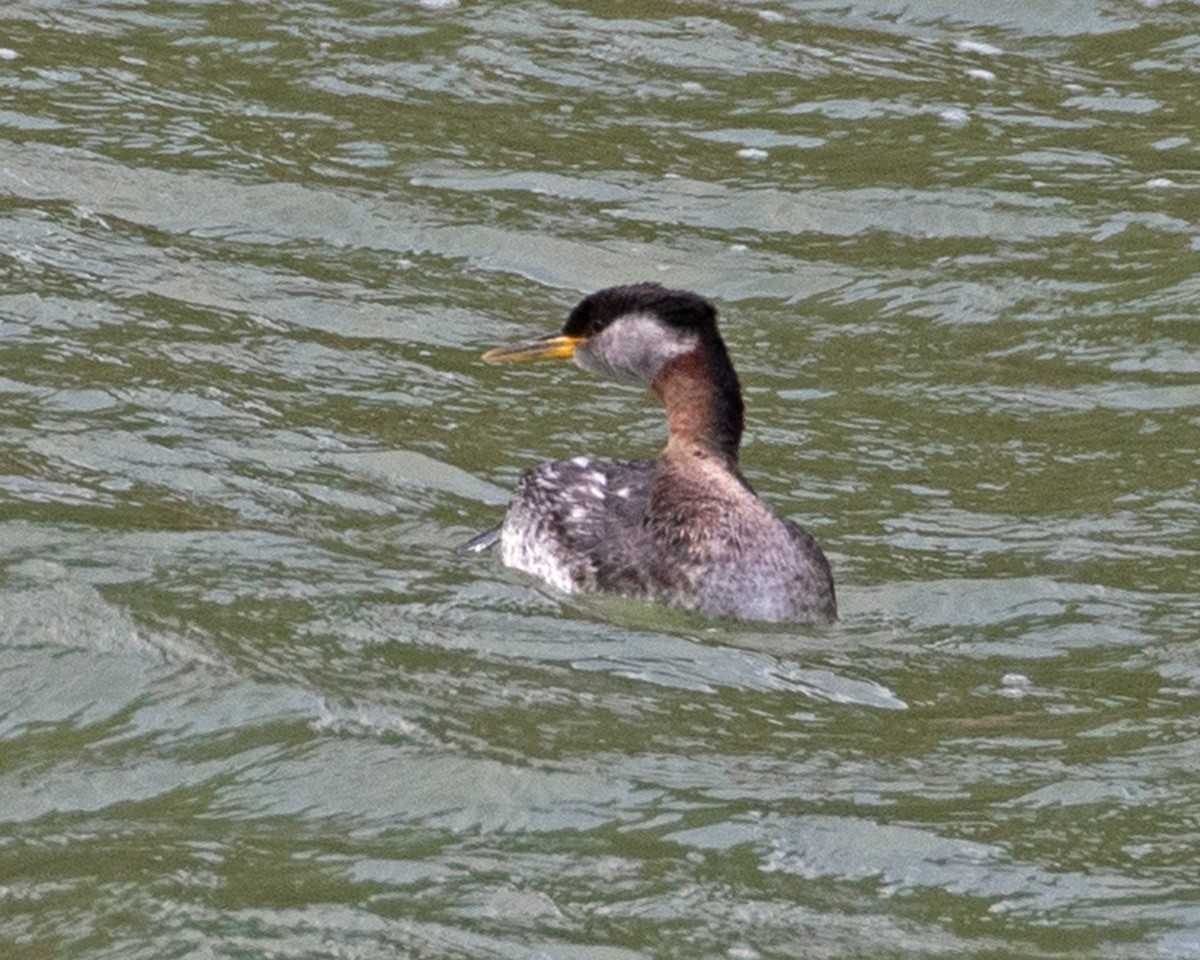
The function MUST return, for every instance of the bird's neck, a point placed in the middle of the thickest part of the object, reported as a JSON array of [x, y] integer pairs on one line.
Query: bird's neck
[[704, 404]]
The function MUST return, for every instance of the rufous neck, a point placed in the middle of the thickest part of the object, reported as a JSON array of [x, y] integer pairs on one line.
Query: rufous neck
[[705, 414]]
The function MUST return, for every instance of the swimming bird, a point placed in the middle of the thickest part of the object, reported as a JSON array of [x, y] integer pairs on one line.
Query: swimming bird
[[685, 529]]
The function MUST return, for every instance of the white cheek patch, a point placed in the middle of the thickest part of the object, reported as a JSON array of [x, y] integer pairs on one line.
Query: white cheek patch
[[634, 347]]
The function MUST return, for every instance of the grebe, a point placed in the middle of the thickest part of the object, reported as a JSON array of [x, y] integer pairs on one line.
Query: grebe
[[685, 529]]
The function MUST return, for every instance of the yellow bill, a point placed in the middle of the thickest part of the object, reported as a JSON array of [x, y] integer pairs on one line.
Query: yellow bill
[[548, 348]]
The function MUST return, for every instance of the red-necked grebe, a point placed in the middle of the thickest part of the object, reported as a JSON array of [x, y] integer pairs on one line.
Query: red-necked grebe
[[685, 529]]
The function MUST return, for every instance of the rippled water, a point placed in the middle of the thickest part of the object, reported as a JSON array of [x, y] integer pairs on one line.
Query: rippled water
[[253, 705]]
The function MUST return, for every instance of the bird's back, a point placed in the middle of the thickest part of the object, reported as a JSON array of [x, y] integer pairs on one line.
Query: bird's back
[[678, 534]]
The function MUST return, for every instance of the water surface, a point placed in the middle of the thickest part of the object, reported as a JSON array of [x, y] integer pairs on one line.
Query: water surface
[[252, 703]]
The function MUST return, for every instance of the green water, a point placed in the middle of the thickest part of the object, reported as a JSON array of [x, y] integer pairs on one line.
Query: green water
[[253, 705]]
